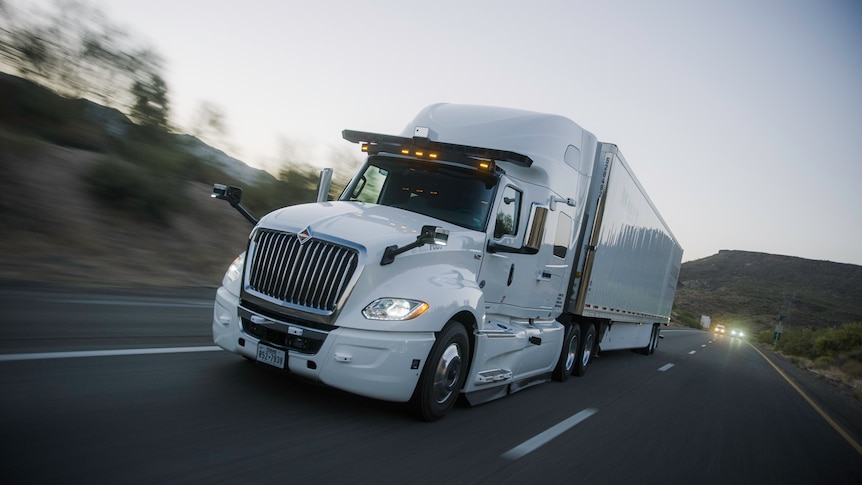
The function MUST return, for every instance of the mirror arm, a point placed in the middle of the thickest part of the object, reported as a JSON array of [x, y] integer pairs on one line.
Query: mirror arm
[[428, 235], [232, 195], [392, 251]]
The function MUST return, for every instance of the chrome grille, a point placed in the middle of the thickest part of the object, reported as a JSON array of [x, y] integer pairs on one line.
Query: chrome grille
[[314, 274]]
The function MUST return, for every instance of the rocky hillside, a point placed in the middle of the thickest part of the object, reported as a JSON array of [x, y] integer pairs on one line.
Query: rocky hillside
[[752, 289]]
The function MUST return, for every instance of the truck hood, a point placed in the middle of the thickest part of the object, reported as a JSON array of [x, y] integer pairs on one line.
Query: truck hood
[[445, 277], [369, 225]]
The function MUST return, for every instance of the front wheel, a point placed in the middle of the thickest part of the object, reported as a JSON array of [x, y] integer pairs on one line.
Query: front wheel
[[443, 374]]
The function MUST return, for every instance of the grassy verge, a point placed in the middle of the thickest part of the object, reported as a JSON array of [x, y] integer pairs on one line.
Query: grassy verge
[[833, 352]]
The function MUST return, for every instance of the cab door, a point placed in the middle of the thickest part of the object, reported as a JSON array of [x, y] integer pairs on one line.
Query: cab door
[[525, 268]]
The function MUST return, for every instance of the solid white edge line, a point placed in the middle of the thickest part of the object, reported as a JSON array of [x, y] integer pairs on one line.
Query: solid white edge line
[[540, 439], [181, 304], [103, 353]]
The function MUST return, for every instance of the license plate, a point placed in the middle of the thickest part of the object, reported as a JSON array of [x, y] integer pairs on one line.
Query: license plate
[[271, 356]]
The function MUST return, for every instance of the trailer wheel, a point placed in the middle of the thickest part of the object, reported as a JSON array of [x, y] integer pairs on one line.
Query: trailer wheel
[[585, 352], [443, 374], [653, 342], [656, 328], [569, 353]]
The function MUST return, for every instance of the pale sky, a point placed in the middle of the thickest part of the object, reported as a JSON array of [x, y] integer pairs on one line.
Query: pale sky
[[741, 118]]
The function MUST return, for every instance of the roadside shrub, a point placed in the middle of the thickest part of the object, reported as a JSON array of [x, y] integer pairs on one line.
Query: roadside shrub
[[686, 318], [799, 342], [823, 362], [76, 134], [766, 337], [852, 368], [128, 186], [842, 339]]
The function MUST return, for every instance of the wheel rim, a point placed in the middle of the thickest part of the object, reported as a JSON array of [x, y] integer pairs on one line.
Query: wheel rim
[[573, 353], [447, 374], [588, 349]]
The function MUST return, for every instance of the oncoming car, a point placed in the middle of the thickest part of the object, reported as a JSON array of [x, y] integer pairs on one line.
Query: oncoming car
[[737, 333], [719, 329]]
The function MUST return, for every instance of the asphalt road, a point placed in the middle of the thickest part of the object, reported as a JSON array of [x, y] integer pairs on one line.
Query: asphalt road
[[700, 410]]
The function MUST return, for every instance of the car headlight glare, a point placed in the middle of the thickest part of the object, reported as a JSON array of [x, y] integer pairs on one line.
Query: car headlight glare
[[394, 309]]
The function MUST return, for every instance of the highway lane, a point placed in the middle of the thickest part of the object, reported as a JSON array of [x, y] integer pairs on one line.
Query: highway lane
[[40, 318], [720, 414]]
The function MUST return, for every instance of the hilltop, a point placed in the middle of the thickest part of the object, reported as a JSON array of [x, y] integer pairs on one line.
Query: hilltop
[[752, 289]]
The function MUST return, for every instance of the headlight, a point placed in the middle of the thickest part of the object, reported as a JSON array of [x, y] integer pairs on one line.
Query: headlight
[[397, 309], [234, 271]]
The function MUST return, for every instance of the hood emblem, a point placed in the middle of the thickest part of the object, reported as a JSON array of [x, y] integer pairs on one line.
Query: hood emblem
[[304, 236]]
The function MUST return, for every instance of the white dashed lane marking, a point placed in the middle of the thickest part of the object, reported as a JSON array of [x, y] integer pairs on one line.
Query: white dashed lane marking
[[540, 439]]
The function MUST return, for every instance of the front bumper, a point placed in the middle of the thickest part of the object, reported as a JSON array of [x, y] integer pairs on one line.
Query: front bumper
[[380, 365]]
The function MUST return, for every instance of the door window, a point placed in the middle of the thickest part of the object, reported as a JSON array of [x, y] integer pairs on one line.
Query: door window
[[507, 215]]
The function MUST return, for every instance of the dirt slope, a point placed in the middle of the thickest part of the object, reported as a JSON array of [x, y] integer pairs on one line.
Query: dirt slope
[[55, 230]]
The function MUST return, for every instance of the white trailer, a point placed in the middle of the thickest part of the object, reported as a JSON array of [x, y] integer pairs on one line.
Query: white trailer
[[481, 251]]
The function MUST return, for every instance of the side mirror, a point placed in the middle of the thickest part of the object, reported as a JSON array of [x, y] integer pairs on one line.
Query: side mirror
[[233, 195], [228, 193], [428, 235], [536, 227], [434, 235]]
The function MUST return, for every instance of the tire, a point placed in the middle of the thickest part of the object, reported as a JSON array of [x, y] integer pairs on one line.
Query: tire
[[585, 351], [656, 328], [569, 353], [653, 342], [443, 374]]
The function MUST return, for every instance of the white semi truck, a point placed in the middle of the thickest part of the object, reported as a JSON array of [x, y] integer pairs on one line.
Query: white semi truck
[[481, 251]]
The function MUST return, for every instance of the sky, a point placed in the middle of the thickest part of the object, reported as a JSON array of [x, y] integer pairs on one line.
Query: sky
[[741, 118]]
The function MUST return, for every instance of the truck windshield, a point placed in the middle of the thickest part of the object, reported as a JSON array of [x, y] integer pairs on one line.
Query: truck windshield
[[457, 195]]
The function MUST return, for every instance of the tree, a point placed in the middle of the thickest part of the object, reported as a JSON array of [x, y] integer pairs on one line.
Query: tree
[[75, 51], [151, 103]]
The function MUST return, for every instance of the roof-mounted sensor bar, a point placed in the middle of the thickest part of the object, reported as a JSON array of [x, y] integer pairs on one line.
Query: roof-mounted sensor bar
[[395, 144]]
